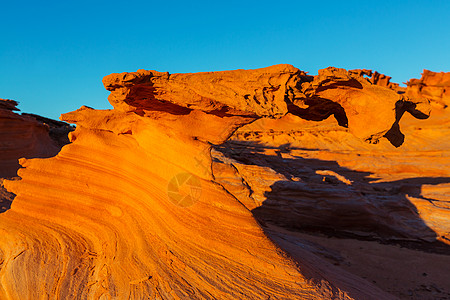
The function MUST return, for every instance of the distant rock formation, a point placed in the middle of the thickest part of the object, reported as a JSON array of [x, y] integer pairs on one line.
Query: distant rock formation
[[27, 136], [378, 79], [134, 206], [432, 86]]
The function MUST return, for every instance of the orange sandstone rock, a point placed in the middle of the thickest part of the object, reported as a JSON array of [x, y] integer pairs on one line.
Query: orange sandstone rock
[[395, 193], [355, 102], [260, 92], [307, 177], [433, 86], [379, 79], [131, 208]]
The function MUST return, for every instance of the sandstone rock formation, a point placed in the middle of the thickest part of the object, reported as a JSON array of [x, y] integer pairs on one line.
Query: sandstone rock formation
[[434, 86], [26, 136], [136, 207], [379, 79], [312, 177], [294, 154]]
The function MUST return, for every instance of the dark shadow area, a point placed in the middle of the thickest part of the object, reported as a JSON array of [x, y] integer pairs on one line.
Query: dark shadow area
[[353, 83], [311, 200], [394, 135], [21, 137], [143, 96], [6, 198], [320, 109]]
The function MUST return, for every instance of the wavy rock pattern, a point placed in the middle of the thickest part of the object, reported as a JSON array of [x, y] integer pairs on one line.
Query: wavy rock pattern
[[131, 209]]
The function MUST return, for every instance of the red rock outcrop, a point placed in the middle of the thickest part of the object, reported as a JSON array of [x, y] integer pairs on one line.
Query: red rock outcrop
[[136, 207], [355, 102], [433, 86], [379, 79], [415, 175], [260, 92], [130, 209], [25, 136], [309, 176]]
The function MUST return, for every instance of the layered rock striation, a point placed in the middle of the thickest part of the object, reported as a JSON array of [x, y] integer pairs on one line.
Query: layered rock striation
[[135, 207]]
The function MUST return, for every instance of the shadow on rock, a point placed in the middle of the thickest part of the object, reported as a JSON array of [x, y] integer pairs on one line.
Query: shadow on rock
[[394, 135], [6, 198], [321, 196]]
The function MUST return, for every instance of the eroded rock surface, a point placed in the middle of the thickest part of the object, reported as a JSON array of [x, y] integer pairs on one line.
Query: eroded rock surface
[[317, 177], [135, 207], [28, 136], [433, 86]]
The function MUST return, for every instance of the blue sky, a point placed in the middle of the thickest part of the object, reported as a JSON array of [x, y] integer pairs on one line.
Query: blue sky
[[53, 54]]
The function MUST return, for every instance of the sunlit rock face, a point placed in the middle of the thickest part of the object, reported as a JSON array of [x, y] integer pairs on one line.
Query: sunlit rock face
[[136, 207], [433, 86]]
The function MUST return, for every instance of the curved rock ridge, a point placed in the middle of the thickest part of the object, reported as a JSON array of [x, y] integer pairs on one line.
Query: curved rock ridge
[[26, 136], [130, 208]]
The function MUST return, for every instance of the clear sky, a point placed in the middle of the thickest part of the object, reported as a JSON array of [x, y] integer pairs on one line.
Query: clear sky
[[54, 54]]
